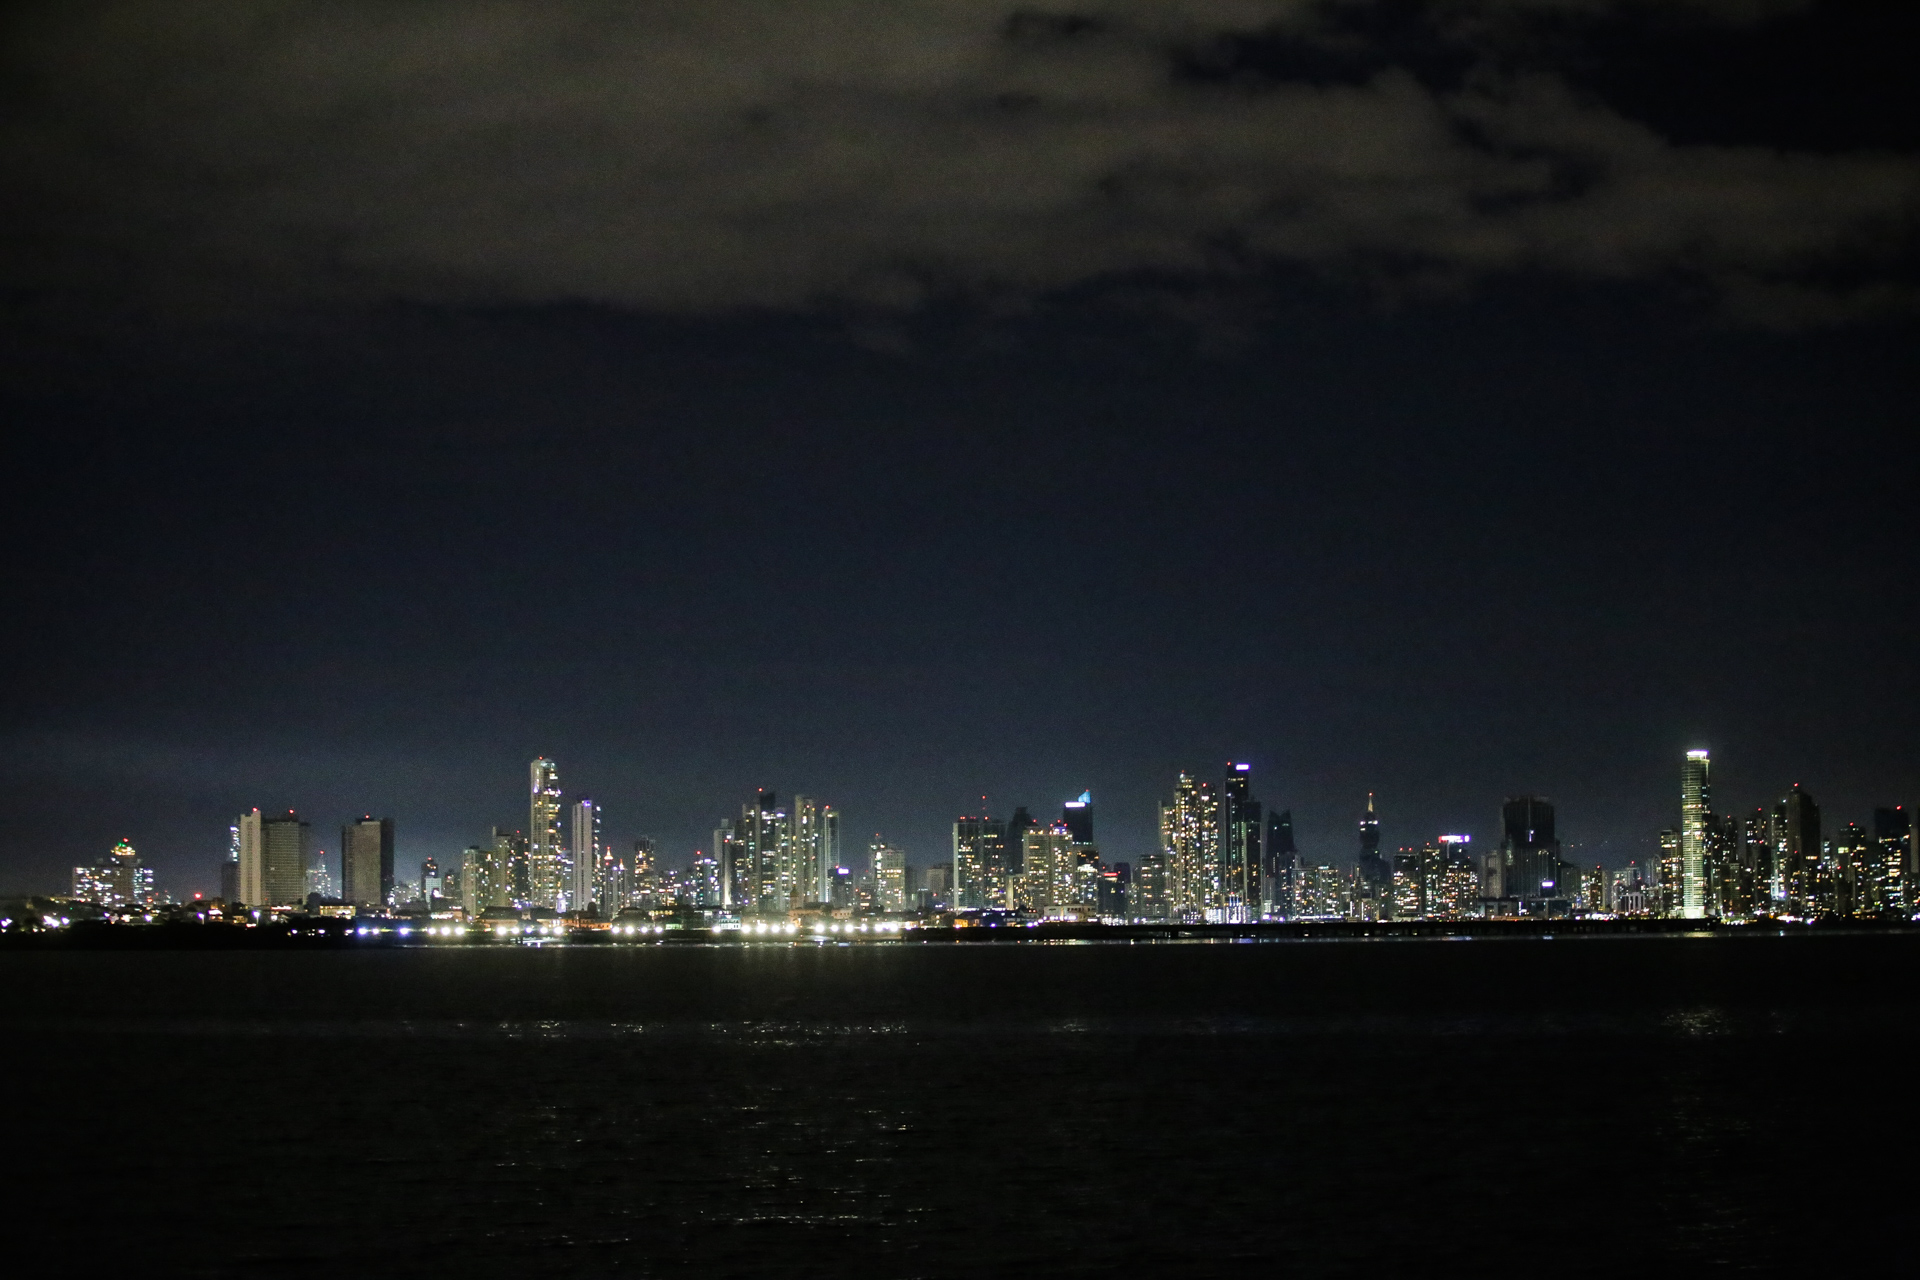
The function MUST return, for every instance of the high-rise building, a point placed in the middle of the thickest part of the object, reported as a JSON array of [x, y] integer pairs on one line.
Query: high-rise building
[[1408, 896], [366, 862], [1892, 838], [486, 880], [1795, 836], [1016, 842], [766, 850], [1530, 853], [1147, 894], [1696, 809], [814, 854], [1078, 815], [546, 846], [980, 879], [889, 875], [1323, 893], [1283, 865], [230, 866], [1374, 875], [1190, 839], [1448, 880], [585, 846], [431, 883], [273, 859], [1242, 869], [116, 879], [1845, 879], [1049, 862], [1756, 864], [1666, 875]]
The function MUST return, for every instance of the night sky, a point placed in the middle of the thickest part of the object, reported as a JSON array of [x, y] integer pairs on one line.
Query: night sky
[[903, 403]]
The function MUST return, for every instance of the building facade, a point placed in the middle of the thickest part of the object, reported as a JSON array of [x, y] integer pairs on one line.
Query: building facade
[[366, 862]]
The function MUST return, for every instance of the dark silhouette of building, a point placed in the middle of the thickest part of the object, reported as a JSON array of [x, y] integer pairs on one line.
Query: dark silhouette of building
[[1282, 864], [1530, 864], [1078, 815], [1375, 875]]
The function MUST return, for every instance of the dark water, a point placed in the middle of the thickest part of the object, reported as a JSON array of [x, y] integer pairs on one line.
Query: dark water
[[1313, 1108]]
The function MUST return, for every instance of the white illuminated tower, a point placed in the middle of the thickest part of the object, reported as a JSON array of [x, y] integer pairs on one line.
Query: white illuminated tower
[[544, 883], [1696, 801], [586, 853]]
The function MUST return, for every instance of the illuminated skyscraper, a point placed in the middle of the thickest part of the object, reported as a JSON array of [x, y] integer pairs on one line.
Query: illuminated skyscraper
[[1795, 836], [230, 866], [1696, 806], [1147, 894], [1666, 877], [814, 853], [1242, 866], [980, 880], [759, 869], [1049, 862], [889, 875], [1892, 838], [485, 880], [366, 861], [115, 880], [1190, 838], [546, 853], [586, 848]]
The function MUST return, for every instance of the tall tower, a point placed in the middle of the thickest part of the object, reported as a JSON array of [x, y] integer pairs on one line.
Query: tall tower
[[544, 884], [1240, 832], [979, 864], [1696, 804], [282, 857], [1529, 857], [586, 852], [1078, 815], [1190, 835], [1282, 861], [366, 861], [1375, 874], [1795, 836], [1892, 834]]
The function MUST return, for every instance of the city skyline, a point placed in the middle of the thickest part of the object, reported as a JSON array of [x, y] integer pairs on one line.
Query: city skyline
[[1215, 852]]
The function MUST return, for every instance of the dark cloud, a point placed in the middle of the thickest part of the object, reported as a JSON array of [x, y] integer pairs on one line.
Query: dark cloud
[[700, 157]]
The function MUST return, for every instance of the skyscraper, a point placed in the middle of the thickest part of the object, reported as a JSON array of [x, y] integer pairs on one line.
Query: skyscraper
[[1242, 867], [366, 861], [889, 875], [1283, 865], [1529, 851], [1374, 877], [115, 880], [583, 892], [1190, 839], [814, 853], [1795, 836], [1696, 806], [759, 871], [546, 883], [1049, 862], [1078, 815], [1892, 835], [980, 864], [273, 859]]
